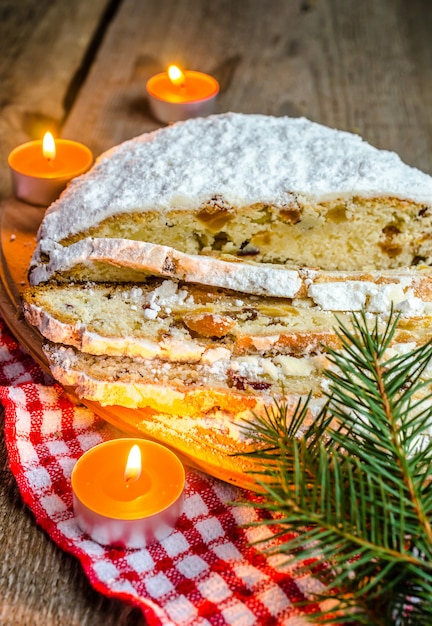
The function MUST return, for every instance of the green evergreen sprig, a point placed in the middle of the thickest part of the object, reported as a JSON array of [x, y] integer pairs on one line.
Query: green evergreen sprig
[[354, 483]]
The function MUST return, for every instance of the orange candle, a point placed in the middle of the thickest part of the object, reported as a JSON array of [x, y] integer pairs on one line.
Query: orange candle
[[41, 169], [176, 95], [128, 492]]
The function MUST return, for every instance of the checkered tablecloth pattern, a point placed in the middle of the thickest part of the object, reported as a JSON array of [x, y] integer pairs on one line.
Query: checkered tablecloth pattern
[[206, 572]]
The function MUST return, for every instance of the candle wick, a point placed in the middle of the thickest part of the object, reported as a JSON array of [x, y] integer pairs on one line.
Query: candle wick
[[132, 478]]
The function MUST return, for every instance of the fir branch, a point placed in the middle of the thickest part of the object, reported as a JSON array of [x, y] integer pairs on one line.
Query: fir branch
[[354, 483]]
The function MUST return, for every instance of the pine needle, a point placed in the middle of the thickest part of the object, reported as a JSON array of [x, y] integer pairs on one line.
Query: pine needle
[[352, 491]]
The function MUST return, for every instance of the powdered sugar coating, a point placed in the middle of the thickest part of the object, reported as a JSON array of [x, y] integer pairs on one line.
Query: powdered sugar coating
[[243, 158]]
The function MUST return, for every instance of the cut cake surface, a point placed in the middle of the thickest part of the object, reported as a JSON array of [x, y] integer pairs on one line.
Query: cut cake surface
[[276, 190]]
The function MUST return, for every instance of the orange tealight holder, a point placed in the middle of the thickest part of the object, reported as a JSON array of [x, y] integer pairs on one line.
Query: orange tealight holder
[[41, 169], [128, 492], [177, 95]]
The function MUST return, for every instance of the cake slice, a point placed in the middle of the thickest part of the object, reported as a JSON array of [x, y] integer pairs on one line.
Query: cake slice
[[233, 387], [121, 261], [184, 322], [173, 321]]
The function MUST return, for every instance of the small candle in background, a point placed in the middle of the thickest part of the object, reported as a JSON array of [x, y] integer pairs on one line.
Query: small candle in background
[[175, 95], [128, 492], [41, 169]]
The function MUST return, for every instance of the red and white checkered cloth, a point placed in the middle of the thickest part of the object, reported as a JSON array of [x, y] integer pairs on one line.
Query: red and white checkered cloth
[[204, 573]]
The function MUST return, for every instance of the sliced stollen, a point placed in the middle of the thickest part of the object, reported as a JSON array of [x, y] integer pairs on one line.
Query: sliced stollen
[[234, 388], [123, 261], [194, 274], [184, 322], [277, 190], [173, 321]]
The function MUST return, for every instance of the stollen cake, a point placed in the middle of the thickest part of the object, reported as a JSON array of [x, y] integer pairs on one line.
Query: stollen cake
[[275, 190], [197, 273]]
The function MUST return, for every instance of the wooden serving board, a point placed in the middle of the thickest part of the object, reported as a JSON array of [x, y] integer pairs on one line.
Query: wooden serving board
[[19, 223]]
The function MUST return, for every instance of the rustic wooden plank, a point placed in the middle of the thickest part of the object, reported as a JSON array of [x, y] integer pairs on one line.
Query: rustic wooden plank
[[229, 40], [361, 66], [364, 73], [42, 46]]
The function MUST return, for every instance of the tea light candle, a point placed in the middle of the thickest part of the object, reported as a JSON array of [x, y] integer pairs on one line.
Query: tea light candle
[[41, 169], [128, 492], [175, 95]]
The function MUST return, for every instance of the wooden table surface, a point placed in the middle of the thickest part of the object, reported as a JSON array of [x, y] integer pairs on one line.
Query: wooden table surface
[[80, 68]]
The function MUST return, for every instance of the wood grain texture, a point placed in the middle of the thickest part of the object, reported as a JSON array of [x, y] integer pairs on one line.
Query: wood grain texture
[[362, 66], [359, 66], [42, 47]]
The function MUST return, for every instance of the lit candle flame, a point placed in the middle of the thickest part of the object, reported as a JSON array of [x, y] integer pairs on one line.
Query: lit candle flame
[[133, 465], [176, 76], [48, 147]]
